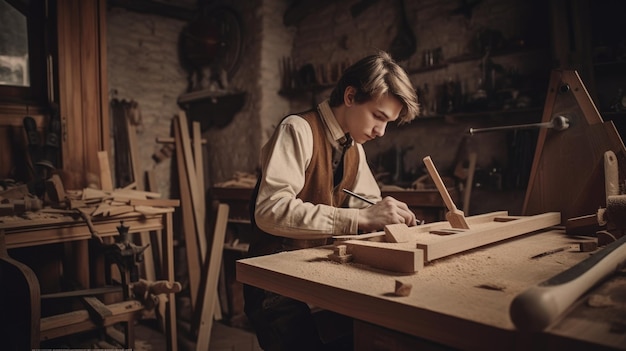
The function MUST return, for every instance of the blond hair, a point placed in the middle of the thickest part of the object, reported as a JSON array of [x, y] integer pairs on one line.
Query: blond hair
[[374, 76]]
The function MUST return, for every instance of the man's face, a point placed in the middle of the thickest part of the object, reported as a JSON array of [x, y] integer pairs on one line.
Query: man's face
[[368, 120]]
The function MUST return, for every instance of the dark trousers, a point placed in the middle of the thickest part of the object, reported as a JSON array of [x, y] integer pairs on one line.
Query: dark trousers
[[284, 324]]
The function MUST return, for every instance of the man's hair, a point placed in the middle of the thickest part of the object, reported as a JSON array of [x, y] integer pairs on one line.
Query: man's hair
[[374, 76]]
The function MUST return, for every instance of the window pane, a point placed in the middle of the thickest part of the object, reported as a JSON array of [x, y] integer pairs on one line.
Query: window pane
[[13, 46]]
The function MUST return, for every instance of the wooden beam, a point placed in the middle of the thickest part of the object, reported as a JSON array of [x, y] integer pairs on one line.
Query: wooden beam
[[209, 300], [198, 208], [441, 246], [189, 227], [388, 256], [80, 321], [106, 180]]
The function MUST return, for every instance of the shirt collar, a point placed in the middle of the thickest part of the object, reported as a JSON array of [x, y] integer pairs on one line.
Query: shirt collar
[[333, 129]]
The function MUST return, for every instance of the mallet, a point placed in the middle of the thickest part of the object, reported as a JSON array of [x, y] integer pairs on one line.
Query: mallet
[[536, 308]]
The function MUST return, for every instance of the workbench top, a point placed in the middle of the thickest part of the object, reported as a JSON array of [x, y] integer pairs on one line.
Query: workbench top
[[461, 301]]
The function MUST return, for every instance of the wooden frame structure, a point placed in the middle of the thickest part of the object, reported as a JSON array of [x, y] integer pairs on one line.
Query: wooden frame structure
[[578, 150]]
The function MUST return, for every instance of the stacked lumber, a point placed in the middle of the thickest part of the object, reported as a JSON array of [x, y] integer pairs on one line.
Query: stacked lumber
[[204, 256]]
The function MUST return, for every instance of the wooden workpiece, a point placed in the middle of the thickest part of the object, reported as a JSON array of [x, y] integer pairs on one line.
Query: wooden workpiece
[[388, 256], [426, 243], [398, 233]]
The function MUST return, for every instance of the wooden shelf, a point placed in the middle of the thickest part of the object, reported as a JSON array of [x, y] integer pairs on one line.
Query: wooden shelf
[[486, 113], [470, 57]]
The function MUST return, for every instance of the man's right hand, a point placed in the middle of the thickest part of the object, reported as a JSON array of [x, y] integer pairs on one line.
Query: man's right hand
[[387, 211]]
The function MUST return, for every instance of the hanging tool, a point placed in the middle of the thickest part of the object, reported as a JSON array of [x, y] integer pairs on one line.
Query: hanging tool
[[43, 158], [557, 123], [455, 216]]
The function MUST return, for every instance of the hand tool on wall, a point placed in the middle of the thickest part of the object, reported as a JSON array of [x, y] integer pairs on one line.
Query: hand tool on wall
[[455, 216], [43, 158], [52, 142], [536, 308]]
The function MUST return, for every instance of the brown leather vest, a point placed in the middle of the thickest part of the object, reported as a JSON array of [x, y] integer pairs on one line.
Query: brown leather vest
[[318, 189]]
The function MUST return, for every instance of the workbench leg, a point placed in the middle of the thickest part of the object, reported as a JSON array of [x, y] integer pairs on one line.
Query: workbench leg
[[129, 334], [168, 270]]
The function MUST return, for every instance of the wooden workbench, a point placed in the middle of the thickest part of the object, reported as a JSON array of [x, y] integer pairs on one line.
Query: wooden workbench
[[25, 233], [458, 302]]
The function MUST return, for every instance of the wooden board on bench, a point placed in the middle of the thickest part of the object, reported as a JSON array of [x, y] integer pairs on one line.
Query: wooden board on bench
[[484, 229]]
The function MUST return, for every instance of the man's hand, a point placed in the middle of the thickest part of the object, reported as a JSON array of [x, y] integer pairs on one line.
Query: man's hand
[[387, 211]]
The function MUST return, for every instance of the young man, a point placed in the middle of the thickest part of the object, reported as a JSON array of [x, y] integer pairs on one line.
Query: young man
[[299, 200]]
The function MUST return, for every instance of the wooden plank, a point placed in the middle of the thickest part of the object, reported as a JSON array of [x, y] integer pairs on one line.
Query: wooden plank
[[448, 245], [196, 193], [168, 269], [138, 177], [155, 202], [106, 180], [209, 300], [57, 231], [118, 210], [135, 194], [149, 210], [80, 321], [156, 236], [199, 162], [425, 228], [189, 227], [96, 308], [386, 256]]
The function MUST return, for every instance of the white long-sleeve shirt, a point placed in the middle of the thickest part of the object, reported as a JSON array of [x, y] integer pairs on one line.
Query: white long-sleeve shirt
[[284, 160]]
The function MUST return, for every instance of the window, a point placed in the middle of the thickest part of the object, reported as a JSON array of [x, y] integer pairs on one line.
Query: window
[[23, 77]]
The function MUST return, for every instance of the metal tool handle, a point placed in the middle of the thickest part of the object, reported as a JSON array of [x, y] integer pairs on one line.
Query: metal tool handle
[[557, 123]]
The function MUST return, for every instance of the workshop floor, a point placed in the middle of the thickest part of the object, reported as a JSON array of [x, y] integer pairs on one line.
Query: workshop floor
[[223, 338]]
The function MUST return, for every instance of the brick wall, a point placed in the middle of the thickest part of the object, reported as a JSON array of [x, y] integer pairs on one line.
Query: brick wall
[[333, 35], [143, 66]]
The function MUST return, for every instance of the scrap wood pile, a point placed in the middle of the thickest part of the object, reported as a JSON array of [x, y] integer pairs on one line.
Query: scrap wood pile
[[17, 204]]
